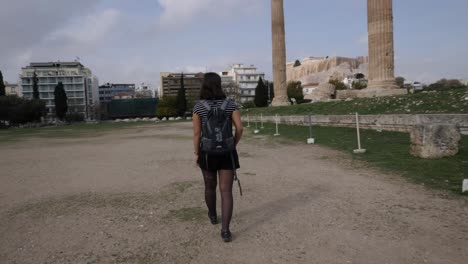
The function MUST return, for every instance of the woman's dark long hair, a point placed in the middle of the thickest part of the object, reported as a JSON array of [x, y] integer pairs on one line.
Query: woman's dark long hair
[[211, 88]]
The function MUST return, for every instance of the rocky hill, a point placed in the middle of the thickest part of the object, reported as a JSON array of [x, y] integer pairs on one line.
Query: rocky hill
[[318, 70]]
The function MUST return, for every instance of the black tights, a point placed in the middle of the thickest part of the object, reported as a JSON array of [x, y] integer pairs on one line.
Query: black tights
[[226, 179]]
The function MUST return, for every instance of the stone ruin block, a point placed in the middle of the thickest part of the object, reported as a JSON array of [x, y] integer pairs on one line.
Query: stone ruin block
[[435, 141]]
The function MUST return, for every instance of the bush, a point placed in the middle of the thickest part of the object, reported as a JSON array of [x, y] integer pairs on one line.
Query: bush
[[359, 85], [248, 104], [445, 84], [167, 107], [339, 85], [74, 117], [16, 110], [295, 91]]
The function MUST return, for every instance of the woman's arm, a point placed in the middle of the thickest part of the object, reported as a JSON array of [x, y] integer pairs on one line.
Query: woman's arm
[[196, 133], [236, 119]]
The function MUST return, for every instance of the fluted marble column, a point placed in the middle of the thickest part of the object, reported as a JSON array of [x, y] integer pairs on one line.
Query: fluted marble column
[[279, 53], [381, 48]]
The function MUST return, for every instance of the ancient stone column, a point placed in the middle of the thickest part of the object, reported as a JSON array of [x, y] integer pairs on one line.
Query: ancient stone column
[[381, 49], [279, 53]]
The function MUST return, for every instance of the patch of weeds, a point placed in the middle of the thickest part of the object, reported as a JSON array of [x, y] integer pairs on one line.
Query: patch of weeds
[[181, 186], [191, 214]]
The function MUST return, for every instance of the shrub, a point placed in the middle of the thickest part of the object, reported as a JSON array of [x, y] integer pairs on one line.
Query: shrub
[[294, 90], [16, 110], [167, 107], [445, 84], [339, 85], [74, 117], [248, 104], [359, 85]]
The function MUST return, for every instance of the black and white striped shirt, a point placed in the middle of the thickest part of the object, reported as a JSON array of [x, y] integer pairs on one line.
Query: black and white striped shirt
[[202, 112]]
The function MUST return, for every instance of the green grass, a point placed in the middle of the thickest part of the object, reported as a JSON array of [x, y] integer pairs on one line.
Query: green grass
[[388, 151], [67, 131], [446, 102]]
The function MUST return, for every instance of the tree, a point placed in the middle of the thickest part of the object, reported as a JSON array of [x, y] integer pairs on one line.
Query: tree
[[60, 98], [295, 91], [2, 85], [271, 92], [339, 85], [400, 81], [181, 98], [261, 94], [297, 64], [17, 110], [35, 87], [167, 107]]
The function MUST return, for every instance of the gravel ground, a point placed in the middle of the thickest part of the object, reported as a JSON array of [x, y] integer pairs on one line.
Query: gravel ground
[[135, 196]]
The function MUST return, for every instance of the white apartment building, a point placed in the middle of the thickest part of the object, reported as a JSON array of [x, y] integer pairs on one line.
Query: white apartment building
[[12, 89], [230, 87], [247, 79], [80, 85]]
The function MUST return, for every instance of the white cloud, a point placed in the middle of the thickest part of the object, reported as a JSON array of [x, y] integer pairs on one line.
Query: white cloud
[[180, 12], [89, 30]]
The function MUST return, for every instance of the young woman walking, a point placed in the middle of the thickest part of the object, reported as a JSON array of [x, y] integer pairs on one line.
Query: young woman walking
[[213, 102]]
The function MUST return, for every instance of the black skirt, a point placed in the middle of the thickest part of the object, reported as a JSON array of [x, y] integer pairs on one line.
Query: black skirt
[[218, 162]]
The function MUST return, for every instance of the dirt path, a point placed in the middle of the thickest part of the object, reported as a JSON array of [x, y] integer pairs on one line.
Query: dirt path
[[134, 196]]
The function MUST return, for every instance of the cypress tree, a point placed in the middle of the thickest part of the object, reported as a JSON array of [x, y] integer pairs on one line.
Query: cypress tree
[[272, 92], [261, 94], [35, 87], [2, 85], [181, 98], [61, 105]]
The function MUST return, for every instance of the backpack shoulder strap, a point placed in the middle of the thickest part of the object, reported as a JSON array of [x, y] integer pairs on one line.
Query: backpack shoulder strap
[[224, 105], [206, 105]]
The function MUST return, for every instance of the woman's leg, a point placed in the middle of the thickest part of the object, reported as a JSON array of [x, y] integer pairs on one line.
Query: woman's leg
[[226, 179], [210, 190]]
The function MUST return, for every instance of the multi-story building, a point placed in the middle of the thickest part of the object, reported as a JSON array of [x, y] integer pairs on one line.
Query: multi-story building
[[230, 87], [144, 91], [247, 78], [170, 84], [80, 85], [12, 89], [110, 91]]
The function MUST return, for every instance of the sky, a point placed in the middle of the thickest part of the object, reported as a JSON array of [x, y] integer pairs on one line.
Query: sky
[[132, 41]]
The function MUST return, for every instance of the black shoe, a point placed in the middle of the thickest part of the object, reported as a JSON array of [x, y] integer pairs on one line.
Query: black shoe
[[213, 219], [226, 235]]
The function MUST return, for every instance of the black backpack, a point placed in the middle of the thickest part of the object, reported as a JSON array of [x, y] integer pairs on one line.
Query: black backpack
[[217, 138]]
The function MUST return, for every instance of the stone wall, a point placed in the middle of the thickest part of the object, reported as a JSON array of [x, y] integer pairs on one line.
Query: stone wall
[[318, 70], [402, 123]]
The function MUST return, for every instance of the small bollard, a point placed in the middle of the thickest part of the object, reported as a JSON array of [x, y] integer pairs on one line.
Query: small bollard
[[261, 121], [465, 186], [311, 139], [359, 150], [248, 120], [256, 131], [277, 132]]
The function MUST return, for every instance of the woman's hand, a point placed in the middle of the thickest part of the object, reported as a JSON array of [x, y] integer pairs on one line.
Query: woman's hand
[[196, 160]]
